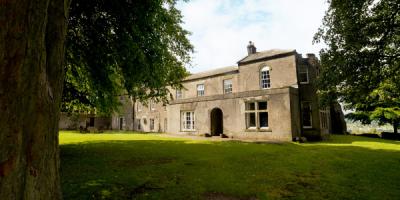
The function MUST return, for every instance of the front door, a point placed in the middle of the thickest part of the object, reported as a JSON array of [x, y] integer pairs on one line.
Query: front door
[[217, 126]]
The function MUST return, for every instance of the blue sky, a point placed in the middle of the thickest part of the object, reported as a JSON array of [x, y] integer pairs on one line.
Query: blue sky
[[221, 29]]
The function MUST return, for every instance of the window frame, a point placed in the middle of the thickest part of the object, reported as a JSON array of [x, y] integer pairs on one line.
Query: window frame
[[229, 89], [257, 113], [184, 122], [200, 92], [151, 124], [151, 105], [267, 78], [304, 72], [180, 96]]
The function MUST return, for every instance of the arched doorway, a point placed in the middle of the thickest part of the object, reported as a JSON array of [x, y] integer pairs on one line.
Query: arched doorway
[[217, 126]]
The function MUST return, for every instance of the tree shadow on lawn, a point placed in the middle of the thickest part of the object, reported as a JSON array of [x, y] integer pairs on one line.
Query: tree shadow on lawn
[[348, 139], [152, 169]]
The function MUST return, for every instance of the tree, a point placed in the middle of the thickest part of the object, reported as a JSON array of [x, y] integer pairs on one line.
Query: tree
[[32, 39], [112, 46], [361, 64], [110, 42], [383, 106]]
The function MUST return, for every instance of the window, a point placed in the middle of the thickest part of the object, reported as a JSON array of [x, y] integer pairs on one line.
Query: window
[[178, 94], [303, 74], [228, 86], [138, 124], [139, 107], [187, 118], [265, 78], [256, 115], [200, 90], [151, 105], [151, 124], [306, 114]]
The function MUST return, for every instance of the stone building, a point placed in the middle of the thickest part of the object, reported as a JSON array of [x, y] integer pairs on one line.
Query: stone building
[[268, 95]]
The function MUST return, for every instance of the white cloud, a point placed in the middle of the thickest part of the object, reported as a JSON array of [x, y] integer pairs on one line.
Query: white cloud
[[221, 29]]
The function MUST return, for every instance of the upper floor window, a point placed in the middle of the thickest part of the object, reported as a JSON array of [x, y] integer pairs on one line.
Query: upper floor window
[[228, 86], [265, 78], [139, 107], [200, 90], [179, 94], [303, 75], [306, 114], [151, 105]]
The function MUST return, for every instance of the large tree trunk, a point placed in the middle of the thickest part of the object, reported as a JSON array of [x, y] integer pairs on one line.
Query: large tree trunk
[[32, 36], [395, 126]]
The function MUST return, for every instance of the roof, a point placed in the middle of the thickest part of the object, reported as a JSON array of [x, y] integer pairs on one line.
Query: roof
[[266, 54], [215, 72]]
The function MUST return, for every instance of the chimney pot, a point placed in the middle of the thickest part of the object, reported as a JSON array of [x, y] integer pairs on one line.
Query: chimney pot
[[251, 49]]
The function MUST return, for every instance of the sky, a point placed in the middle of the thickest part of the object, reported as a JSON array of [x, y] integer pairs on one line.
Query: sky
[[221, 29]]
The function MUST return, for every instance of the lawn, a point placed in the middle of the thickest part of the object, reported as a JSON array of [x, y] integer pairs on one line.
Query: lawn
[[153, 166]]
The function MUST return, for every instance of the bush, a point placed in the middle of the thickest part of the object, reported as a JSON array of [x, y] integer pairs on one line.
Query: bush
[[390, 136]]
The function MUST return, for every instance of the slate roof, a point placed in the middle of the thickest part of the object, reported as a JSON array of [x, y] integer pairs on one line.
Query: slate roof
[[215, 72], [266, 54]]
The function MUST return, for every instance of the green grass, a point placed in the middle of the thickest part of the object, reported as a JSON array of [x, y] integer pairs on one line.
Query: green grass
[[153, 166]]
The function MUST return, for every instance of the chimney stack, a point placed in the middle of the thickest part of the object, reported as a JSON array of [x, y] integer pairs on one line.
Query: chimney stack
[[251, 49]]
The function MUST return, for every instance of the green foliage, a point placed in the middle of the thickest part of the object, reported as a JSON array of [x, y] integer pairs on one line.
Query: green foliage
[[120, 47], [361, 64], [102, 166]]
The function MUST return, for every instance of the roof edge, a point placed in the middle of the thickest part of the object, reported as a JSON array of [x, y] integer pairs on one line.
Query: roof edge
[[233, 71], [280, 55]]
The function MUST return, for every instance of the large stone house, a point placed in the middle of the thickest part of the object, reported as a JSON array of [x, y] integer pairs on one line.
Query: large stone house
[[268, 95]]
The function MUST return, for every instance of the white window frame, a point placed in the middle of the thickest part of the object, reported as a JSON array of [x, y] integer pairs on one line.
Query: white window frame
[[200, 90], [257, 112], [151, 124], [139, 107], [151, 105], [179, 94], [188, 121], [304, 70], [227, 86], [302, 113], [265, 80]]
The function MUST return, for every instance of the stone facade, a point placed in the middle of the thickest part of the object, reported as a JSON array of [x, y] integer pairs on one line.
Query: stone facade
[[268, 95], [80, 120]]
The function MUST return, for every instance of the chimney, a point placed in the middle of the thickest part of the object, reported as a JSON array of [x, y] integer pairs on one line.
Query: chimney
[[311, 55], [251, 49], [312, 59]]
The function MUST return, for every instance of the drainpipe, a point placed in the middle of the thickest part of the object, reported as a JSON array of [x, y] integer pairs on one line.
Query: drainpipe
[[299, 99]]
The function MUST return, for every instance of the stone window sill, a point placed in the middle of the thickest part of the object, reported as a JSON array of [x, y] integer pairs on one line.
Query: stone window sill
[[258, 130]]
